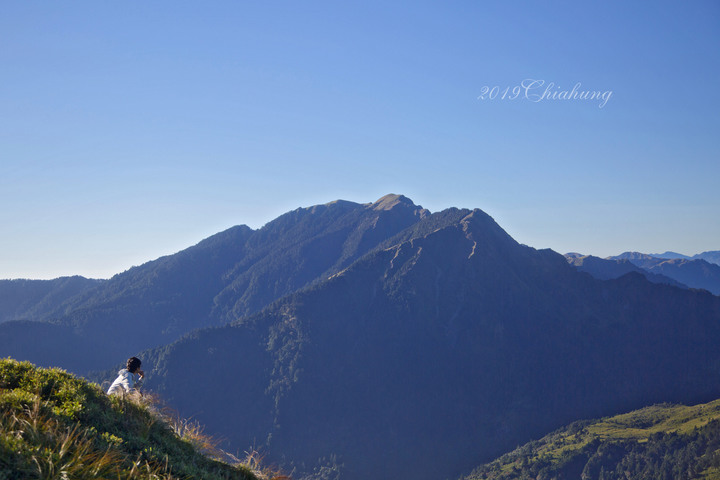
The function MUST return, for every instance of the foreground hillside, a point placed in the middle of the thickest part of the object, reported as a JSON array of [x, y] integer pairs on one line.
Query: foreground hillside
[[662, 442], [55, 425]]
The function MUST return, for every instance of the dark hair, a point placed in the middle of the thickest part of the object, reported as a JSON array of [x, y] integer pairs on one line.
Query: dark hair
[[133, 364]]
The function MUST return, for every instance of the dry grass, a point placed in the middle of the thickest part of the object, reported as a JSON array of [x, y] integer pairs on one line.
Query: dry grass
[[254, 461], [193, 432]]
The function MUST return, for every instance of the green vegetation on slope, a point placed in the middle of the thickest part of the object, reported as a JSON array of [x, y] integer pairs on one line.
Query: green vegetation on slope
[[55, 425], [659, 442]]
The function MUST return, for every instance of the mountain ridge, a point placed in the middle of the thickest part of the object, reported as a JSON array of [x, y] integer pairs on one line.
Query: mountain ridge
[[230, 274], [373, 359], [695, 272], [606, 269]]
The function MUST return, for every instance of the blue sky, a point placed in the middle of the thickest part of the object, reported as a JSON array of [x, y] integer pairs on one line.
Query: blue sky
[[131, 130]]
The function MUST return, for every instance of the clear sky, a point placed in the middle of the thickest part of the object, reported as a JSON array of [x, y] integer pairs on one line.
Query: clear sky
[[131, 130]]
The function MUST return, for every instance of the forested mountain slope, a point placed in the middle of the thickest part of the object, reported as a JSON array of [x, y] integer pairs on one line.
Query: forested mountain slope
[[662, 442], [446, 347]]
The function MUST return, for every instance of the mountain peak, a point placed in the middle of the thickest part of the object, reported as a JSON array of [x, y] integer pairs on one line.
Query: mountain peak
[[390, 201], [669, 254], [631, 256]]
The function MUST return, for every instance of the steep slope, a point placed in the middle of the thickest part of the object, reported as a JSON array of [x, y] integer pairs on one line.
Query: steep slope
[[662, 442], [694, 273], [233, 273], [604, 269], [443, 349], [54, 425], [22, 299]]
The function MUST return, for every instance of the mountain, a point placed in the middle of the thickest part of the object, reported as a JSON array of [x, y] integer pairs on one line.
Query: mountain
[[710, 257], [693, 273], [670, 255], [443, 348], [231, 274], [634, 257], [604, 269], [662, 442], [55, 425], [21, 299]]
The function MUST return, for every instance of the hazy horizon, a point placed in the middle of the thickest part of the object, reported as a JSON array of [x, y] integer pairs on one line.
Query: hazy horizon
[[107, 276]]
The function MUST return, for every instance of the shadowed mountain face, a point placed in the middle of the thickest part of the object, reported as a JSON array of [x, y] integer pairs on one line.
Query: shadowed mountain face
[[449, 345], [234, 273]]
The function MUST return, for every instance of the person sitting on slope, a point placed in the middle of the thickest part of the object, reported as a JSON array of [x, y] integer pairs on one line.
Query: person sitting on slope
[[129, 379]]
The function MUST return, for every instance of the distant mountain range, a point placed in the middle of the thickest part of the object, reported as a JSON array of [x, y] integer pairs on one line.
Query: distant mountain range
[[710, 257], [670, 269], [605, 269], [382, 340], [32, 299]]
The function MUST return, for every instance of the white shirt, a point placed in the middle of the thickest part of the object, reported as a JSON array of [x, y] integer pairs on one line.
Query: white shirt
[[125, 382]]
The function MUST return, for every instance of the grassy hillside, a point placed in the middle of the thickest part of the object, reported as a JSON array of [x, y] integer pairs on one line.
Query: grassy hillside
[[658, 442], [55, 425]]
